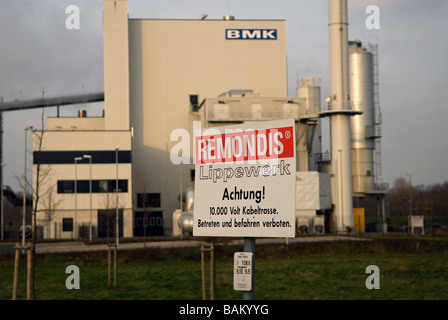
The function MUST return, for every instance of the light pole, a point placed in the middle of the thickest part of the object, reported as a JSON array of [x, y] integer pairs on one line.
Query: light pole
[[410, 194], [116, 189], [87, 156], [410, 203], [2, 211], [24, 191], [76, 196]]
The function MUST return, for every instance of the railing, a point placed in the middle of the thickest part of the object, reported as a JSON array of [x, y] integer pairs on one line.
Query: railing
[[243, 116], [373, 131], [381, 186]]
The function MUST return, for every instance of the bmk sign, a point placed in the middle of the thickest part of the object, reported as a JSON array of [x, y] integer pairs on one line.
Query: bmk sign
[[251, 34]]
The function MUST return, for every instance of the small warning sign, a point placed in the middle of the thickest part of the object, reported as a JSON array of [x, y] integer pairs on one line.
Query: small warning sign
[[243, 270]]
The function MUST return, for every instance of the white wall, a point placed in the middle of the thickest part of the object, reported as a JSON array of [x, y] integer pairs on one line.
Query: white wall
[[65, 202], [171, 59]]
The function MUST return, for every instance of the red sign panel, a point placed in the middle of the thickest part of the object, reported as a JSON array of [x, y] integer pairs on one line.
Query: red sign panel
[[248, 145]]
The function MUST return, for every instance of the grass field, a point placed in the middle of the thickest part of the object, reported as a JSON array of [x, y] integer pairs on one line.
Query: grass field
[[410, 268]]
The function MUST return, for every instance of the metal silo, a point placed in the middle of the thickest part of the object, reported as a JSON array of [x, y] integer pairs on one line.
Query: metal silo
[[362, 126], [309, 142]]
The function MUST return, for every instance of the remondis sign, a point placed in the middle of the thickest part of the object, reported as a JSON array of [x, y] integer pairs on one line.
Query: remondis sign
[[245, 180]]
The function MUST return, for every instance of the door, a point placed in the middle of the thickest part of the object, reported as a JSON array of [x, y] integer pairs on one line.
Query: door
[[106, 223]]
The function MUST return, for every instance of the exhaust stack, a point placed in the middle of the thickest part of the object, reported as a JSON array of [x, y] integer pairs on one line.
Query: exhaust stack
[[339, 113]]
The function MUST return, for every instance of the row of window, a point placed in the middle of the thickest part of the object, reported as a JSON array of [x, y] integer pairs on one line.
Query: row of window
[[154, 219], [144, 200], [98, 186]]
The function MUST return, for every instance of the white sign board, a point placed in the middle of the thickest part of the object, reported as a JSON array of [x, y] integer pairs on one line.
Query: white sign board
[[242, 271], [245, 180]]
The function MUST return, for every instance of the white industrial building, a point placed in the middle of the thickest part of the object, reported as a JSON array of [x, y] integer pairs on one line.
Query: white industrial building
[[161, 76]]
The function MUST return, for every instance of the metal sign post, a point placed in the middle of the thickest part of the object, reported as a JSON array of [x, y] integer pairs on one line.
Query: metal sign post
[[249, 246], [245, 180], [245, 187]]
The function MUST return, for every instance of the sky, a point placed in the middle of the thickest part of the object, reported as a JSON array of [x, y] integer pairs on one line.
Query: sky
[[40, 56]]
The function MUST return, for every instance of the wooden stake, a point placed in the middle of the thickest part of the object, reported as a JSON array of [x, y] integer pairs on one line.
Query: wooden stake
[[16, 271], [212, 272], [28, 273], [115, 267], [108, 267], [204, 295]]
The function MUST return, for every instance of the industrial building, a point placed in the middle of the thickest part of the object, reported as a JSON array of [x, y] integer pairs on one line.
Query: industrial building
[[163, 79]]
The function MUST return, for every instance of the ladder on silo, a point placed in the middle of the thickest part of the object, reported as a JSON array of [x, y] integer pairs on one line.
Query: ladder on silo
[[378, 116]]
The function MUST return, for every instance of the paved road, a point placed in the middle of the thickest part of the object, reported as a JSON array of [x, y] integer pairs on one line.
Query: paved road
[[77, 246]]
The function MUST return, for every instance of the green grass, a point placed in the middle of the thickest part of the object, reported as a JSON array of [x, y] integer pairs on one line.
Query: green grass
[[409, 269]]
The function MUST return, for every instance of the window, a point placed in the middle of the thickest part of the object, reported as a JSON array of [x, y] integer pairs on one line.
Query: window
[[104, 186], [122, 185], [194, 102], [109, 185], [82, 186], [148, 200], [67, 224], [98, 186], [66, 186]]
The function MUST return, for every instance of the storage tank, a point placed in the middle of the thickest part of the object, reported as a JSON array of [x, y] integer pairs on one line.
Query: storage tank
[[310, 90], [189, 195], [309, 142], [363, 125]]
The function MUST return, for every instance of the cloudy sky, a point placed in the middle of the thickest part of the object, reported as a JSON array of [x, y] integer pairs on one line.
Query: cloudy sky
[[40, 56]]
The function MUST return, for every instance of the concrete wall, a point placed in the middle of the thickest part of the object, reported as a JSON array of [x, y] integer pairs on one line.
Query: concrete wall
[[172, 59]]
